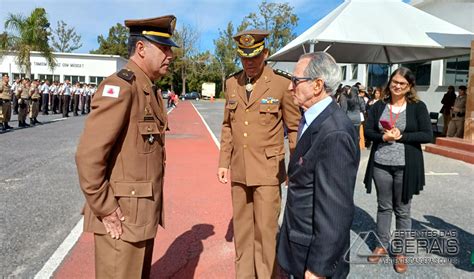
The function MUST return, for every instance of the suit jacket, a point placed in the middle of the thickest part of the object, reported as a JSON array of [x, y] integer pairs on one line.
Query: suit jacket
[[315, 233], [121, 155], [252, 131]]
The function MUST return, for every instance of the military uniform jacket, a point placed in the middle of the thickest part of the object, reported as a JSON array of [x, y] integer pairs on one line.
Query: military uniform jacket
[[252, 139], [5, 93], [34, 92], [121, 155]]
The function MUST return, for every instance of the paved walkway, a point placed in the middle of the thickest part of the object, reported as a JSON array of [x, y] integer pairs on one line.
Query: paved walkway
[[197, 241]]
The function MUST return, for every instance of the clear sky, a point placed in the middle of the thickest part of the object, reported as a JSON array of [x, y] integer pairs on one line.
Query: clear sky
[[94, 17]]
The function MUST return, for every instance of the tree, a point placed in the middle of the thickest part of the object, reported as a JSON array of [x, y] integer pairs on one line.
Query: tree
[[278, 18], [5, 42], [65, 39], [226, 53], [31, 34], [186, 37], [115, 43]]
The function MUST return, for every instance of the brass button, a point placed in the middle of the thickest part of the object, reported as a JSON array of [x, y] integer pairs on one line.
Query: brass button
[[268, 109], [245, 134], [246, 123], [148, 129], [245, 146], [133, 193], [247, 110]]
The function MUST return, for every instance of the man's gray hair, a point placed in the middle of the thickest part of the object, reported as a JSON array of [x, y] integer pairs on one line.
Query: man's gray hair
[[322, 65]]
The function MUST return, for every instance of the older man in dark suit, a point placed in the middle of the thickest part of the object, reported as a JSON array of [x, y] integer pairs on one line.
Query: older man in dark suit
[[315, 233]]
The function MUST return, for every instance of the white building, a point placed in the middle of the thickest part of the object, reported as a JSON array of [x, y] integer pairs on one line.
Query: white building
[[84, 68]]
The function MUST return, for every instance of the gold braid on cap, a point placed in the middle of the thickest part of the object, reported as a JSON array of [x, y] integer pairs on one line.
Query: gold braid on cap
[[255, 45], [155, 33], [254, 52]]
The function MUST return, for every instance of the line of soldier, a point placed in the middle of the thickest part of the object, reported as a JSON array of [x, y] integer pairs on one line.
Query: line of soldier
[[26, 96]]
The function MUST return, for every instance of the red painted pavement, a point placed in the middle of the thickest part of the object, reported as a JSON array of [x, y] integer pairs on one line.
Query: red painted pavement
[[197, 241]]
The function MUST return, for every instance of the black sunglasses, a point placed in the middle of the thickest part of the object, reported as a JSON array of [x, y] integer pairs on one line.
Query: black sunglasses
[[297, 80]]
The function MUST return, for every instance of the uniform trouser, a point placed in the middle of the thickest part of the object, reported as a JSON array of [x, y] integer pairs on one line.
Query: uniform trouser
[[45, 104], [76, 103], [23, 110], [71, 103], [66, 100], [15, 104], [446, 120], [83, 104], [389, 184], [456, 127], [55, 103], [88, 104], [115, 258], [6, 110], [61, 103], [255, 220], [34, 108]]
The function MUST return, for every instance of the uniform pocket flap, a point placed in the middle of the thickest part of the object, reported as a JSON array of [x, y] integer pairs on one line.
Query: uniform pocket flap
[[300, 238], [271, 108], [133, 189], [148, 128], [232, 105], [274, 151]]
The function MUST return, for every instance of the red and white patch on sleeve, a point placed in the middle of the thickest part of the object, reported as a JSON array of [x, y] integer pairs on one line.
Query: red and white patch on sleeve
[[111, 91]]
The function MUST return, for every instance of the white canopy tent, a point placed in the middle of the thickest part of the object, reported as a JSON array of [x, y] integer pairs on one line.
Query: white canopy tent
[[379, 32]]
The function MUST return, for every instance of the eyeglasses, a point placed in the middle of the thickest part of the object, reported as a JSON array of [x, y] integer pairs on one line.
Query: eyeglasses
[[296, 80], [403, 85]]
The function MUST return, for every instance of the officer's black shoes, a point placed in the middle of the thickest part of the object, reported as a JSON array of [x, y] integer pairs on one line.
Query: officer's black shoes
[[6, 126], [25, 124], [32, 122], [36, 121]]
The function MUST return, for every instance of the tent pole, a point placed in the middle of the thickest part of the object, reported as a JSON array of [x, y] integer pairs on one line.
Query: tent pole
[[311, 47], [328, 47]]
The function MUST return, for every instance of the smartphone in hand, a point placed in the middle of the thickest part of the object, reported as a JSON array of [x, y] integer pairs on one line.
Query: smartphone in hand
[[385, 124]]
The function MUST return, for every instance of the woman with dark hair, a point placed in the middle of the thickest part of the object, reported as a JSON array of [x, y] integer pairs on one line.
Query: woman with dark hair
[[353, 106], [375, 97], [397, 126]]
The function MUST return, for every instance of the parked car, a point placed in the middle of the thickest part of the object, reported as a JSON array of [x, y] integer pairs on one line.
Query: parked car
[[191, 96]]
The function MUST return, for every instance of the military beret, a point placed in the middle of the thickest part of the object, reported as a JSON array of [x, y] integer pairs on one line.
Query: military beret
[[251, 42], [157, 29]]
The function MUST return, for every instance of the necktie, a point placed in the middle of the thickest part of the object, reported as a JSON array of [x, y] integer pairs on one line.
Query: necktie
[[301, 125]]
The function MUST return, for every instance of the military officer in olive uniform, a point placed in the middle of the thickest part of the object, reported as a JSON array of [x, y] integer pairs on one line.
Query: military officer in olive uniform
[[23, 97], [35, 97], [5, 102], [258, 106], [121, 155]]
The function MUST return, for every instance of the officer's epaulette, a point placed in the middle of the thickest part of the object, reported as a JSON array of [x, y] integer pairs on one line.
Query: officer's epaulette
[[126, 74], [235, 73], [282, 73]]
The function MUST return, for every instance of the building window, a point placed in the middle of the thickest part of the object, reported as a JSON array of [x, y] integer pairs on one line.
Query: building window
[[343, 72], [96, 80], [51, 78], [354, 71], [377, 75], [74, 79], [19, 75], [422, 72], [457, 71]]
